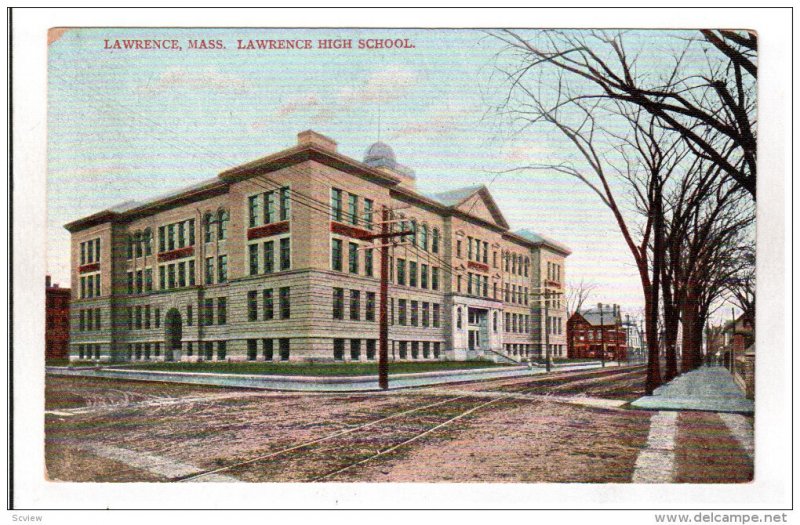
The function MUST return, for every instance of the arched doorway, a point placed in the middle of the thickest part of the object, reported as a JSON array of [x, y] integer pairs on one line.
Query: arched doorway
[[173, 331]]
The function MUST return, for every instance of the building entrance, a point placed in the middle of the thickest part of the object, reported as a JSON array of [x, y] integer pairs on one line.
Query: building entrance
[[477, 327]]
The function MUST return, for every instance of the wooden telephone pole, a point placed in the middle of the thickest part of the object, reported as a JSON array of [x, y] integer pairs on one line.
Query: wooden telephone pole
[[383, 307]]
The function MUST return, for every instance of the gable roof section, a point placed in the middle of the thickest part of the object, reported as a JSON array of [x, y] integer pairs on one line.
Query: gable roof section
[[458, 198], [540, 240]]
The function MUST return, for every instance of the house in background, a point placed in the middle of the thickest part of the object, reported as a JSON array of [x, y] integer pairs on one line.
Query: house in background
[[57, 321], [590, 331]]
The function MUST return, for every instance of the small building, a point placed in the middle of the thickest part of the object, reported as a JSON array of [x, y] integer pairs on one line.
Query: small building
[[591, 331], [56, 330]]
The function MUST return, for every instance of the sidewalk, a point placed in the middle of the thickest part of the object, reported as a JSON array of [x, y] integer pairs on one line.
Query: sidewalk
[[710, 389]]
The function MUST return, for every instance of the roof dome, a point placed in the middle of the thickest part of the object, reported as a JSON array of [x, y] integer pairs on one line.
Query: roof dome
[[380, 154]]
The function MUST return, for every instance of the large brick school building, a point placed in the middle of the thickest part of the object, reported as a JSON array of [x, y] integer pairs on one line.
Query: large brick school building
[[267, 261]]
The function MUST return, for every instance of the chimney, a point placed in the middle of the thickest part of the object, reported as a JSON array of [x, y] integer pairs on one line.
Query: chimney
[[312, 138], [47, 281]]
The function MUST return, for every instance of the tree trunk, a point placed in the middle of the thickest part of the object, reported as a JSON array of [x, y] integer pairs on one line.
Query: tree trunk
[[689, 314], [671, 320], [651, 293]]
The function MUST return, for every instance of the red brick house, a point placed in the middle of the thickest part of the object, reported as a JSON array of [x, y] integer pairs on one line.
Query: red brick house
[[588, 332], [57, 321]]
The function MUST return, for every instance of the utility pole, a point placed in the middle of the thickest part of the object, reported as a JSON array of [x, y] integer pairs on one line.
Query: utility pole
[[628, 338], [383, 308], [602, 336]]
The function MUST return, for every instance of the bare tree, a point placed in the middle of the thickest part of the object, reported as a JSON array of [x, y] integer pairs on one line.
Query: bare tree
[[577, 294], [703, 104]]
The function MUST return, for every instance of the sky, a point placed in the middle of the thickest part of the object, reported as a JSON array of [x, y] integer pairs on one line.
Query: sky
[[132, 124]]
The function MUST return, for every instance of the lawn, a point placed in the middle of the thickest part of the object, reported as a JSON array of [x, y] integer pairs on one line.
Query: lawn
[[316, 369]]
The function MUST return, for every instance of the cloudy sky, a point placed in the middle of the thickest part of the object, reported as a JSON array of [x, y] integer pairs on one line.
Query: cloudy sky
[[128, 124]]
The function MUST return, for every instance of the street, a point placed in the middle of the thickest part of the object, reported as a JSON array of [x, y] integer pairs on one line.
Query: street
[[564, 427]]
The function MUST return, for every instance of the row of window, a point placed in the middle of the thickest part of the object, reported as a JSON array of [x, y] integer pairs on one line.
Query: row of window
[[418, 234], [174, 236], [262, 256], [408, 313], [268, 304], [408, 275], [261, 207], [355, 349], [90, 285], [517, 323], [216, 221], [553, 272], [90, 251], [475, 253], [89, 351], [554, 325], [517, 264], [427, 348], [222, 269], [353, 259], [338, 213], [355, 305], [89, 319], [177, 275], [521, 350], [139, 317], [268, 349]]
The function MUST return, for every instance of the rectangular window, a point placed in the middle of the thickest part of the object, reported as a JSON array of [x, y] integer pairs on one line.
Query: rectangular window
[[83, 287], [269, 256], [352, 207], [286, 311], [286, 256], [267, 349], [412, 273], [423, 276], [162, 245], [369, 314], [353, 258], [336, 254], [434, 278], [401, 272], [469, 284], [97, 285], [209, 351], [81, 320], [162, 278], [252, 305], [268, 305], [338, 303], [284, 349], [252, 208], [371, 349], [171, 276], [436, 316], [355, 349], [338, 349], [222, 350], [208, 312], [367, 214], [269, 207], [414, 313], [171, 237], [130, 282], [485, 286], [146, 317], [355, 305], [485, 252], [426, 314], [458, 248], [182, 274], [181, 236], [138, 318], [401, 312], [336, 204], [252, 348], [148, 280], [157, 316], [222, 269], [191, 232], [189, 315], [253, 251], [285, 211], [222, 310], [83, 253], [469, 248], [368, 262], [89, 320], [210, 270], [191, 272]]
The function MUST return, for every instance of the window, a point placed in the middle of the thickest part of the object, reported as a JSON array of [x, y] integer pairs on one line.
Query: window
[[437, 316], [157, 315], [412, 273], [437, 349], [222, 268], [368, 262], [82, 320], [130, 282], [469, 248], [355, 349], [222, 310], [352, 209], [338, 303], [485, 252], [138, 317], [146, 318], [458, 318], [458, 248], [207, 222], [423, 276], [284, 349], [222, 350], [209, 270], [355, 305], [458, 284], [353, 258], [403, 349], [401, 272], [267, 349], [494, 322], [435, 241], [189, 315], [285, 210], [426, 314], [181, 238], [336, 205], [369, 314], [413, 239], [191, 232], [338, 349], [414, 313], [252, 305], [285, 303], [401, 312], [209, 351], [368, 214], [336, 254], [286, 256], [426, 349], [208, 312], [253, 211], [171, 237], [252, 349], [269, 256], [268, 305], [371, 349], [148, 280], [414, 349], [253, 249], [423, 237], [222, 226], [181, 275], [269, 207], [485, 286], [434, 278]]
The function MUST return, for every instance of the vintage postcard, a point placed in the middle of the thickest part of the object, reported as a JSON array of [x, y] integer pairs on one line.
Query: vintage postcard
[[483, 257]]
